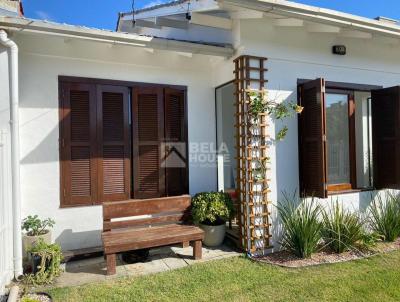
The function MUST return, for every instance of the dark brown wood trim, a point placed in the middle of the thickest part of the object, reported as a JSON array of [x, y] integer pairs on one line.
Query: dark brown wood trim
[[72, 79], [64, 83], [352, 141], [339, 192], [344, 85]]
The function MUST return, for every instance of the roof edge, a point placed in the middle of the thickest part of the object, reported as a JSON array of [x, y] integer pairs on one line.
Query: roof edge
[[45, 27]]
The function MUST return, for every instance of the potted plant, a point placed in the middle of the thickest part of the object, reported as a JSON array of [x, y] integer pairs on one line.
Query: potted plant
[[46, 260], [36, 229], [211, 210]]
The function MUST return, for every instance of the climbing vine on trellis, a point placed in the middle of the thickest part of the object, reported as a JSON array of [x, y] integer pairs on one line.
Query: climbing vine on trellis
[[254, 111]]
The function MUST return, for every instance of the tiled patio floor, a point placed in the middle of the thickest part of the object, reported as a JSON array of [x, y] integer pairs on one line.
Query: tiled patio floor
[[161, 259]]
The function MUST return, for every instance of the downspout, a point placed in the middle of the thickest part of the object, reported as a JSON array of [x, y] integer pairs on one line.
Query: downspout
[[15, 155]]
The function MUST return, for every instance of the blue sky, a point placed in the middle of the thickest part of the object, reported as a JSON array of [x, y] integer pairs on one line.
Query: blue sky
[[103, 13]]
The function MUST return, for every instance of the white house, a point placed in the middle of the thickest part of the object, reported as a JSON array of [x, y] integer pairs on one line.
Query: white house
[[87, 115]]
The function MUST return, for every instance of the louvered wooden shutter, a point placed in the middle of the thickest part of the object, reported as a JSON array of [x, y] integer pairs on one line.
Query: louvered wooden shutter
[[78, 144], [113, 143], [312, 139], [386, 137], [148, 121], [175, 153]]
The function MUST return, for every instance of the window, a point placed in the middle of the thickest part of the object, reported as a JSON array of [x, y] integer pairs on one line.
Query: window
[[339, 128], [114, 141]]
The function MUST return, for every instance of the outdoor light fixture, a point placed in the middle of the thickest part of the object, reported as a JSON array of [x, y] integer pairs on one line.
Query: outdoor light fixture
[[339, 50]]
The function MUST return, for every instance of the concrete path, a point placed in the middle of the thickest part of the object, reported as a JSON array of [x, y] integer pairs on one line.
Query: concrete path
[[160, 260]]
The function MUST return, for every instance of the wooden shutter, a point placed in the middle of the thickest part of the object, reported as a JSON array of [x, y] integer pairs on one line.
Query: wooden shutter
[[78, 144], [312, 139], [175, 153], [148, 126], [385, 109], [113, 143]]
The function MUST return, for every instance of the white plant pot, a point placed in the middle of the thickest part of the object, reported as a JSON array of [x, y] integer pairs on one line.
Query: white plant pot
[[29, 241], [214, 234]]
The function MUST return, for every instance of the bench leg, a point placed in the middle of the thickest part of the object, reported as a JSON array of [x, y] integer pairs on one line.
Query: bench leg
[[197, 251], [185, 244], [111, 264]]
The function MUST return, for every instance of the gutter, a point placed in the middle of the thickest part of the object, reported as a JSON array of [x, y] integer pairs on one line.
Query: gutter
[[15, 152], [79, 32]]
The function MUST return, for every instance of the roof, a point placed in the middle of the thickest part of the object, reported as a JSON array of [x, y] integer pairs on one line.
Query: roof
[[81, 32], [286, 9]]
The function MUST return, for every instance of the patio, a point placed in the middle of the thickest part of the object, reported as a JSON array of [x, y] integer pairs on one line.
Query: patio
[[160, 260]]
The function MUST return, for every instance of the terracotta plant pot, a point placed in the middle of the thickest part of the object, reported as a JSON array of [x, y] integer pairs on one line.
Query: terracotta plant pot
[[214, 234], [28, 241]]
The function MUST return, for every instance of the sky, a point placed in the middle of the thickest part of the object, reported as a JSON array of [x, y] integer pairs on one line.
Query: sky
[[104, 13]]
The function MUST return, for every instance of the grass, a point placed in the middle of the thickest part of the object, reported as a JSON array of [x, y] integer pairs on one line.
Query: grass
[[239, 279]]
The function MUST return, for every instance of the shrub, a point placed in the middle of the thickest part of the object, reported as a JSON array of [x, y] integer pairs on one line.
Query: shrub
[[212, 208], [50, 259], [385, 216], [342, 230], [301, 226], [34, 226]]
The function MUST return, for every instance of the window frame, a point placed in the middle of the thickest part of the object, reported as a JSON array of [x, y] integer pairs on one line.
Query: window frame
[[343, 88], [352, 185]]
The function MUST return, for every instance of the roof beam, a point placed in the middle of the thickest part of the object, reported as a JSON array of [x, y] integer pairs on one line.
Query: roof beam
[[211, 21], [185, 54], [288, 22], [356, 34], [247, 14], [322, 28], [161, 21]]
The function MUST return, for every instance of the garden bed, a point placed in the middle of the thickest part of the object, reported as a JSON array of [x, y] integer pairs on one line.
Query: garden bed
[[287, 259]]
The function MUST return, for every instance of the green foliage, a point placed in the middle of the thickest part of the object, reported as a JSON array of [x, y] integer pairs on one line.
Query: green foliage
[[51, 257], [212, 208], [385, 216], [342, 230], [260, 104], [34, 226], [282, 133], [301, 226]]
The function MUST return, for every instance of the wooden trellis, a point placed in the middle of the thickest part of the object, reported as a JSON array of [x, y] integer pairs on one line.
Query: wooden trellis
[[252, 144]]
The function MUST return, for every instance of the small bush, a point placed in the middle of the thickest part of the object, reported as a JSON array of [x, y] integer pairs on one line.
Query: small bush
[[301, 226], [212, 208], [50, 260], [342, 230], [385, 216]]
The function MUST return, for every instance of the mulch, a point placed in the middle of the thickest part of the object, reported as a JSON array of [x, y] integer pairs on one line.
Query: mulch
[[287, 259]]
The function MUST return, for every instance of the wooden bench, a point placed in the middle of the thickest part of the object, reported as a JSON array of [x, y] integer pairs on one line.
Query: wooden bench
[[139, 224]]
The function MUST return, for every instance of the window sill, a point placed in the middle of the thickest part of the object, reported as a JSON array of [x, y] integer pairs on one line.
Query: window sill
[[331, 193]]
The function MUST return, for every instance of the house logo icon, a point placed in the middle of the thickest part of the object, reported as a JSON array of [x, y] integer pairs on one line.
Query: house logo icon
[[174, 155]]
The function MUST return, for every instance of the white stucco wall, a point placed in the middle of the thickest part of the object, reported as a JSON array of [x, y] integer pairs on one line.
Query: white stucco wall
[[42, 60], [293, 54], [6, 254]]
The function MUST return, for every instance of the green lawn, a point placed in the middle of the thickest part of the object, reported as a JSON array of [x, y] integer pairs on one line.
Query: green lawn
[[239, 279]]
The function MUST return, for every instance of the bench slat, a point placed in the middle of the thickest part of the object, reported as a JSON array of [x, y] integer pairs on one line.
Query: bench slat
[[173, 218], [158, 236], [127, 208]]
